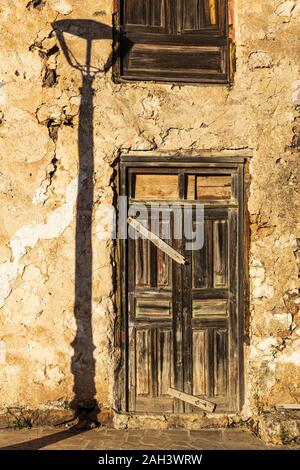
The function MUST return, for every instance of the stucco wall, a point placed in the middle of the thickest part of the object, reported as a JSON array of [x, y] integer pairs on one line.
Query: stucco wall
[[39, 105]]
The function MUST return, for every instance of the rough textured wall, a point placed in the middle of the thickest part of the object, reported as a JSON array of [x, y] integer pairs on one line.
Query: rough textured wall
[[39, 106]]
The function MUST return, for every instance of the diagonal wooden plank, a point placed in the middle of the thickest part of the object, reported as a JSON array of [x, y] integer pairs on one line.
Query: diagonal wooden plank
[[161, 244], [287, 406]]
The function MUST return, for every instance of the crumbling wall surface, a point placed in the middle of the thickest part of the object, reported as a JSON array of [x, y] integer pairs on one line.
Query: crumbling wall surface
[[39, 106]]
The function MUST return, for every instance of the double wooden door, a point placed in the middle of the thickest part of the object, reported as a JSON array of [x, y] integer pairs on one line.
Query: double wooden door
[[183, 321]]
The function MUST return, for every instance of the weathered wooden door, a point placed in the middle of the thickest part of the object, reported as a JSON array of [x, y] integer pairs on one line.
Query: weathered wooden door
[[183, 322]]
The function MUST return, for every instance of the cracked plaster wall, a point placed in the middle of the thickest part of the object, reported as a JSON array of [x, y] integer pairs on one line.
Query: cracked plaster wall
[[39, 104]]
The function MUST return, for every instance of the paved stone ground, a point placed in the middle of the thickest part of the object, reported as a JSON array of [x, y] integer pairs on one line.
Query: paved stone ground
[[111, 439]]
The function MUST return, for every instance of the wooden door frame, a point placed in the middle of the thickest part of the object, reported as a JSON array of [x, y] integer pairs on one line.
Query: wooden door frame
[[240, 164]]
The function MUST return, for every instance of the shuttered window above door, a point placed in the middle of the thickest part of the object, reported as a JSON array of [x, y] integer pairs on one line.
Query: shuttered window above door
[[173, 40]]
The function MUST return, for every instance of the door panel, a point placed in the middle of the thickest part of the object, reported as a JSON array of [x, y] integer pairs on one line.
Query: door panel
[[220, 362], [163, 269], [201, 259], [151, 369], [142, 263], [211, 304], [164, 361], [153, 308], [220, 253], [143, 362], [209, 307]]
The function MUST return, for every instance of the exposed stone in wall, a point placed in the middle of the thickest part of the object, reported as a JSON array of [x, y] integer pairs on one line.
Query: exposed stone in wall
[[39, 106]]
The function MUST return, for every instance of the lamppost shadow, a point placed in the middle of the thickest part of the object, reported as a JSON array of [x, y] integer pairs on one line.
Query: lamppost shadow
[[83, 363], [84, 402]]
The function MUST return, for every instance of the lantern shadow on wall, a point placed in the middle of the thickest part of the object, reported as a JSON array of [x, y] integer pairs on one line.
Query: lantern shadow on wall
[[83, 362]]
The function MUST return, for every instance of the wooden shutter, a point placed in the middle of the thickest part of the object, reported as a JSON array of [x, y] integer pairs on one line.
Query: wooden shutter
[[174, 40]]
